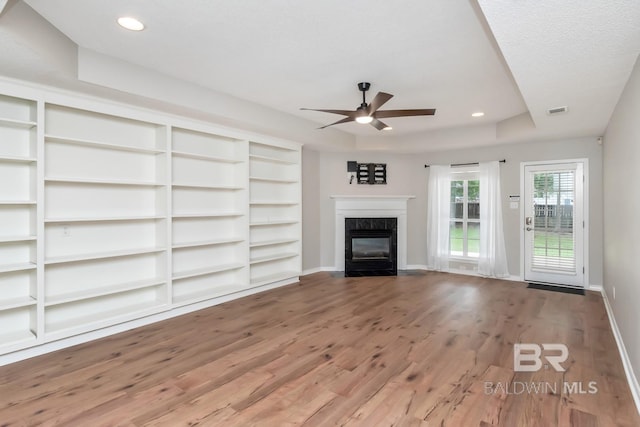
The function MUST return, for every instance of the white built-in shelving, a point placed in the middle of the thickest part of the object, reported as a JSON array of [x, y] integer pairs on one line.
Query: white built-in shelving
[[109, 214], [275, 231], [209, 220], [105, 219], [18, 222]]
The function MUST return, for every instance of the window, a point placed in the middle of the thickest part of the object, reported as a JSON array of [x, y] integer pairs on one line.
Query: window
[[464, 226]]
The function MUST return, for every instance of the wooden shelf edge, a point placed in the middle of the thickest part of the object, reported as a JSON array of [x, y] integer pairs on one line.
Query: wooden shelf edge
[[274, 180], [268, 223], [272, 242], [16, 123], [270, 278], [273, 203], [195, 297], [212, 158], [22, 266], [207, 187], [207, 270], [108, 145], [208, 215], [105, 219], [17, 202], [103, 182], [207, 243], [272, 159], [87, 323], [101, 255], [13, 339], [17, 159], [12, 239], [20, 302], [102, 291], [275, 257]]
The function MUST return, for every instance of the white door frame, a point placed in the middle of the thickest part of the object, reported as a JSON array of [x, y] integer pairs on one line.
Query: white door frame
[[585, 202]]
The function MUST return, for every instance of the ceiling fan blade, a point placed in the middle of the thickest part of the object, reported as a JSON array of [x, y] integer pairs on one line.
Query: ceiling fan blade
[[348, 113], [378, 102], [378, 124], [405, 113], [345, 120]]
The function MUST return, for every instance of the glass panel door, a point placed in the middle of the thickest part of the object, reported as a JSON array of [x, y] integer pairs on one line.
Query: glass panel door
[[553, 224]]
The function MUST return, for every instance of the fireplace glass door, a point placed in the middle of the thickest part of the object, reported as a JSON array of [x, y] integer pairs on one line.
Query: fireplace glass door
[[369, 248]]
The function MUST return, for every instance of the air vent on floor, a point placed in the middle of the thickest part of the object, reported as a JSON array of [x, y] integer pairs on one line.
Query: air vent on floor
[[557, 110]]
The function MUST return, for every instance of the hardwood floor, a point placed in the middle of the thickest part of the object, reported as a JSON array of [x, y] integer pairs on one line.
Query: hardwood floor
[[427, 349]]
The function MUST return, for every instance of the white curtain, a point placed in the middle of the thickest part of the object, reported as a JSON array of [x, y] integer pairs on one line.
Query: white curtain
[[492, 261], [438, 218]]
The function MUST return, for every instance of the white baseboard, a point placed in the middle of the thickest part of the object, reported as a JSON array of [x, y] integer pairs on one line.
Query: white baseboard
[[317, 270], [38, 350], [332, 268], [464, 272], [626, 363], [416, 267]]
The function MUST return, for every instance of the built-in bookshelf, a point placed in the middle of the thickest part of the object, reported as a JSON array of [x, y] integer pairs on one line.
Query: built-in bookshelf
[[110, 214], [209, 215], [18, 216], [275, 210], [105, 219]]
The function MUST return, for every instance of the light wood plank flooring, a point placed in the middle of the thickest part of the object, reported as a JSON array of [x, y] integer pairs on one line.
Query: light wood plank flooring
[[426, 349]]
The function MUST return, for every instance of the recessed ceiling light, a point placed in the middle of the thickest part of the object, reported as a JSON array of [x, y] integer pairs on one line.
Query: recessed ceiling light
[[477, 114], [387, 128], [130, 23]]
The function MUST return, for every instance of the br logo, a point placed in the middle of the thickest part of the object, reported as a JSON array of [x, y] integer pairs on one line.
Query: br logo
[[527, 357]]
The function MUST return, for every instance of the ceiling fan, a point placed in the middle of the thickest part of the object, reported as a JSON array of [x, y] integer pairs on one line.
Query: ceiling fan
[[369, 113]]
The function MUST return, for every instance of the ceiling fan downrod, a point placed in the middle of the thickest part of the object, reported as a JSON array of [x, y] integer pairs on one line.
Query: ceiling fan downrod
[[364, 87]]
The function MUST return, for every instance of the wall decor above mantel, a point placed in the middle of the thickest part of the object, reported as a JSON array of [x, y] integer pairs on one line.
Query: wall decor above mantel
[[372, 173]]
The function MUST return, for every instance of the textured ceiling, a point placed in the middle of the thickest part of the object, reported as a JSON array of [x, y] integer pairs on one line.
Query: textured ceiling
[[511, 59], [288, 54], [572, 53]]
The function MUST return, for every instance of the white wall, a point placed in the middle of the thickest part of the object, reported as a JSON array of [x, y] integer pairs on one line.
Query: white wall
[[310, 210], [407, 175], [621, 160]]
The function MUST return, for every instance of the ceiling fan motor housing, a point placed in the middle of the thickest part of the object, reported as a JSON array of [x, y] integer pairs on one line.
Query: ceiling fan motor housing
[[364, 86]]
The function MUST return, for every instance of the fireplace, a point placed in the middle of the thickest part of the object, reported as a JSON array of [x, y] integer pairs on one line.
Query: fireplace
[[370, 247], [378, 206]]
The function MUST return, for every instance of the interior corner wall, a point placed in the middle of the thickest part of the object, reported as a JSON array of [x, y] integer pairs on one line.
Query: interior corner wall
[[621, 156], [406, 175], [310, 210]]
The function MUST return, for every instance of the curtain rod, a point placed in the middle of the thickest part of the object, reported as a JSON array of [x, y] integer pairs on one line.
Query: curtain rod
[[469, 164]]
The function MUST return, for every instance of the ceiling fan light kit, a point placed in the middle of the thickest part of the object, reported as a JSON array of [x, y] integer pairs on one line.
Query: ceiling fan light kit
[[364, 119], [369, 113]]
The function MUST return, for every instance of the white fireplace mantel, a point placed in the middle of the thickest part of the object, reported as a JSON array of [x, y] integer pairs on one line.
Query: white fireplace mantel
[[371, 207]]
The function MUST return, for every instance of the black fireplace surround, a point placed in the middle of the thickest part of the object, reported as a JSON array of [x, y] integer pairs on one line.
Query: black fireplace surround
[[370, 247]]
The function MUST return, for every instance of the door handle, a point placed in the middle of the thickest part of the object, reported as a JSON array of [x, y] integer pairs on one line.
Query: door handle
[[528, 221]]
